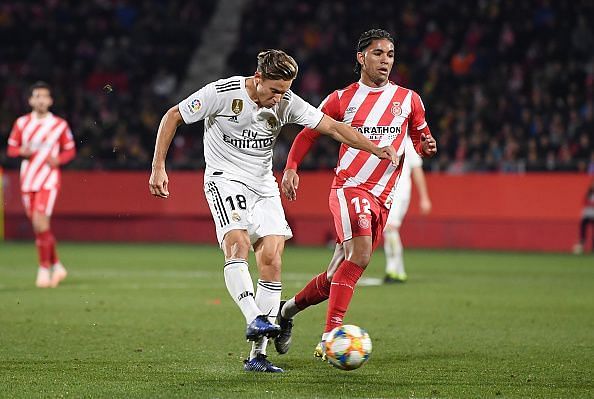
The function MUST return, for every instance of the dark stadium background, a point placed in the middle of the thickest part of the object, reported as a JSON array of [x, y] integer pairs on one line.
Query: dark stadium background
[[495, 306], [508, 88]]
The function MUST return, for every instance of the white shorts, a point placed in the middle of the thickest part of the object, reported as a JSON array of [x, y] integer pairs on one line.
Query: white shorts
[[234, 206], [398, 211]]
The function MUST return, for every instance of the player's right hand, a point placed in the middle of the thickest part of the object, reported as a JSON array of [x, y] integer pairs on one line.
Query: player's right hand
[[290, 183], [158, 183], [388, 152], [26, 152]]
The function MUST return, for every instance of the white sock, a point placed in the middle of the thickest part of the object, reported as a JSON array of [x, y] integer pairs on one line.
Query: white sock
[[268, 298], [393, 249], [290, 309], [241, 288]]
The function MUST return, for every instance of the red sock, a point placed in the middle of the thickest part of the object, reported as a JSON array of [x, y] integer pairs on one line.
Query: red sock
[[44, 248], [316, 291], [341, 292], [53, 252]]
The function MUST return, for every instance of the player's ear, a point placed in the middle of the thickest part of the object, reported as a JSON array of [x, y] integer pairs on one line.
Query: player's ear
[[257, 77], [360, 58]]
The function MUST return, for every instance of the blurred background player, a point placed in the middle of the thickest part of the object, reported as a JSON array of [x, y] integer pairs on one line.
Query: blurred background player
[[587, 219], [412, 169], [244, 116], [44, 142], [360, 194]]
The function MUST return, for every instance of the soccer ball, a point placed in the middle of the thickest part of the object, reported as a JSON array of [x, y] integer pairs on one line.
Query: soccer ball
[[348, 347]]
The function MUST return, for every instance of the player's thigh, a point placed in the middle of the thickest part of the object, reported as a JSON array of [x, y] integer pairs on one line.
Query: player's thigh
[[354, 211], [269, 219], [41, 208], [231, 205]]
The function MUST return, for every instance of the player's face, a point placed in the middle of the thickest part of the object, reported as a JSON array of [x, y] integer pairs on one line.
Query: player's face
[[377, 61], [270, 92], [41, 100]]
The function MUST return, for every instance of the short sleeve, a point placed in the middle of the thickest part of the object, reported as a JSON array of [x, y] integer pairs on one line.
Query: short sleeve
[[200, 105], [303, 113]]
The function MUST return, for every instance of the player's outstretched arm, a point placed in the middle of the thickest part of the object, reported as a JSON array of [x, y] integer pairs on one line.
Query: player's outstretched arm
[[158, 182], [348, 135]]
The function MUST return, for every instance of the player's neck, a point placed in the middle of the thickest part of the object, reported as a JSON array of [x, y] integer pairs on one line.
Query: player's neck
[[40, 115], [250, 87], [370, 83]]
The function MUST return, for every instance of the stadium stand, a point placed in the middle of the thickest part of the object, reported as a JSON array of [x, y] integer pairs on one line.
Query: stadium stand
[[509, 85]]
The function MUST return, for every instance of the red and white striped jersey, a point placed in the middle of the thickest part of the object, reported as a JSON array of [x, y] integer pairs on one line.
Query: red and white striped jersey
[[46, 137], [385, 115]]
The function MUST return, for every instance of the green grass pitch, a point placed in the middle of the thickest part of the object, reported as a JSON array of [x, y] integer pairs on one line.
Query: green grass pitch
[[156, 321]]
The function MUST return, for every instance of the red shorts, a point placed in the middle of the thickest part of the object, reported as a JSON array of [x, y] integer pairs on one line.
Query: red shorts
[[42, 201], [357, 213]]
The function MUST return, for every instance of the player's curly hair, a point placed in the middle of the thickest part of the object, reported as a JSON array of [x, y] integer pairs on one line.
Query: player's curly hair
[[277, 65], [365, 40]]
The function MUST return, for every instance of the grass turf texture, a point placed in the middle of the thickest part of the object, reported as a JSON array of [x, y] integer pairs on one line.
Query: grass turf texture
[[156, 321]]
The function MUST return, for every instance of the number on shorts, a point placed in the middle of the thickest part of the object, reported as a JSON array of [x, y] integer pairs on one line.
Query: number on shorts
[[358, 202], [240, 199]]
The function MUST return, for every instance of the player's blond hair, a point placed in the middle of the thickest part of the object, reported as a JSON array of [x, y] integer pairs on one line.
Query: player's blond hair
[[277, 65]]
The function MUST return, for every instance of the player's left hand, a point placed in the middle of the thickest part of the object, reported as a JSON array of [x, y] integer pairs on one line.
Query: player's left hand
[[429, 145], [388, 152], [158, 183], [54, 162]]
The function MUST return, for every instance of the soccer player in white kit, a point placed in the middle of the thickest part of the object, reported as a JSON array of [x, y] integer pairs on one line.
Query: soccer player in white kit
[[412, 171], [243, 117]]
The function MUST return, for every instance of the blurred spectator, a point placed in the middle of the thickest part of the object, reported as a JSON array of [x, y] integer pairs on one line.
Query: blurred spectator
[[510, 84], [113, 64]]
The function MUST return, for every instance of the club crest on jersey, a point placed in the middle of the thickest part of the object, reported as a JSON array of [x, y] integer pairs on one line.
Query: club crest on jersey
[[271, 123], [235, 216], [237, 106], [363, 222], [194, 106], [396, 109]]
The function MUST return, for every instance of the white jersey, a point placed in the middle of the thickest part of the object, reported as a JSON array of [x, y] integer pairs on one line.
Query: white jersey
[[402, 189], [411, 160], [238, 135]]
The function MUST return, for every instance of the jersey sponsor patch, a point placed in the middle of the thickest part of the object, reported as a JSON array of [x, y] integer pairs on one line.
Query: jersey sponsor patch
[[194, 106]]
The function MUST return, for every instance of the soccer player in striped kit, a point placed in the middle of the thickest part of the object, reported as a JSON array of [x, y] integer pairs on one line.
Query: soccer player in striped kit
[[243, 116], [362, 190], [44, 142]]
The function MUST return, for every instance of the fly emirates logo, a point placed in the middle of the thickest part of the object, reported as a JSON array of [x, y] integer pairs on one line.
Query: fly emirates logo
[[380, 132]]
